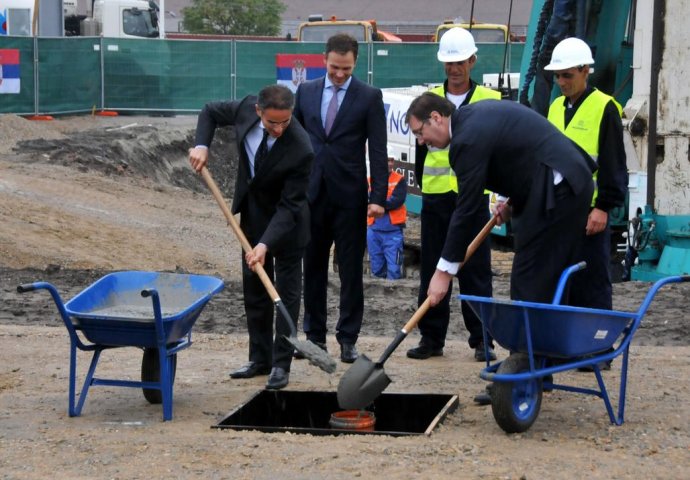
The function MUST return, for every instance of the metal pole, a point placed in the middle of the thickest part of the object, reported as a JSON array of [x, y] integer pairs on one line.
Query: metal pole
[[100, 48], [161, 20], [36, 77], [657, 54], [233, 69]]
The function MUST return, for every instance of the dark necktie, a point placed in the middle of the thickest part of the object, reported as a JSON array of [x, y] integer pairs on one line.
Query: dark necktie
[[332, 110], [261, 152]]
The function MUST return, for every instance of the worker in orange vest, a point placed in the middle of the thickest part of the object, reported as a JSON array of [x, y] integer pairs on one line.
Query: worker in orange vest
[[385, 234]]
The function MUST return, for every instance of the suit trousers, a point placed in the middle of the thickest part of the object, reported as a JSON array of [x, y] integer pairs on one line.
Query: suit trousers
[[592, 287], [539, 262], [474, 277], [347, 229], [287, 270]]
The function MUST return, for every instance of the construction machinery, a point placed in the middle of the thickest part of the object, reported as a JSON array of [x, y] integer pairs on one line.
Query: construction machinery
[[482, 32], [319, 30]]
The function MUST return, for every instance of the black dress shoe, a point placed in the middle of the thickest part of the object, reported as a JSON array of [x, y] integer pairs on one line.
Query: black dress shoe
[[422, 352], [277, 379], [300, 356], [480, 353], [484, 398], [249, 370], [348, 353]]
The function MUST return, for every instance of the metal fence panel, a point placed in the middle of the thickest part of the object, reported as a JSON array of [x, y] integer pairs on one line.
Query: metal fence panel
[[69, 74], [172, 75], [80, 74], [405, 64], [199, 71], [22, 102]]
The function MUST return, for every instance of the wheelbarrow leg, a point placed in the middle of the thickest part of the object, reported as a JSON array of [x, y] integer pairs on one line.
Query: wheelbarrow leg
[[76, 411], [72, 380], [165, 382], [619, 419]]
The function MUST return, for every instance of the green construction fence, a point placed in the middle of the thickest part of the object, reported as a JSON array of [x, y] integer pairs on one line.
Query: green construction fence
[[84, 74]]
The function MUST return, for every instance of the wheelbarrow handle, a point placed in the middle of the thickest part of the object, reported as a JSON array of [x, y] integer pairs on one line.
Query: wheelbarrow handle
[[246, 246], [26, 287]]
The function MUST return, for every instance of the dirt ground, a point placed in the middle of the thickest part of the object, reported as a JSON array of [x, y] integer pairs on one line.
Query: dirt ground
[[83, 196]]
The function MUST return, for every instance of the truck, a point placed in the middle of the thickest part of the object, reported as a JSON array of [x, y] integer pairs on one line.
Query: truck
[[316, 29], [109, 18], [482, 32], [17, 17], [114, 19]]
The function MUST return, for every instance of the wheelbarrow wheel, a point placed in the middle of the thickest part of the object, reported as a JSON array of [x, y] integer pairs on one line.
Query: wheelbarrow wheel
[[515, 405], [150, 372]]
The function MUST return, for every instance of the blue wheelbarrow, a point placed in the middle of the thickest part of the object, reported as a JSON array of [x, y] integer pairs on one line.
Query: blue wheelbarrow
[[545, 339], [150, 310]]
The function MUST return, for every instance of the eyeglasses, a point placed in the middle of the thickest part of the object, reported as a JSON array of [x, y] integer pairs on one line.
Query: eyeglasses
[[275, 124], [284, 123], [418, 133]]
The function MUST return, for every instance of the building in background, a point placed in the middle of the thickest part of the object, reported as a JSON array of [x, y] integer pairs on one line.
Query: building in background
[[413, 18]]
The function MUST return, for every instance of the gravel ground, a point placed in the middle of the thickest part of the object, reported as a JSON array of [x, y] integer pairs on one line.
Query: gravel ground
[[83, 196]]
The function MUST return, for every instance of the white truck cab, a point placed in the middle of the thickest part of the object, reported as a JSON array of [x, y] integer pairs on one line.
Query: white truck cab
[[125, 19], [16, 17]]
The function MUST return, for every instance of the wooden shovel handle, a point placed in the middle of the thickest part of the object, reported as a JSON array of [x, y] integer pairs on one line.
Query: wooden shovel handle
[[424, 307], [246, 246]]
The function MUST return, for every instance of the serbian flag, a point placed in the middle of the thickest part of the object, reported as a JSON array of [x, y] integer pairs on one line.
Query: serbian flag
[[9, 71], [293, 69]]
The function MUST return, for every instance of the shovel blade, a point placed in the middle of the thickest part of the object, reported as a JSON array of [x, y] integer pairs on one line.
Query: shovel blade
[[314, 354], [361, 384]]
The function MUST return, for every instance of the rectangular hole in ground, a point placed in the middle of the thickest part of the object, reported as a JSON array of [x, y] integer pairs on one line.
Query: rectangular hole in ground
[[310, 412]]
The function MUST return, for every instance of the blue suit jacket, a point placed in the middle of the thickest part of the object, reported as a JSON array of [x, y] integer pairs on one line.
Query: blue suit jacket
[[340, 157]]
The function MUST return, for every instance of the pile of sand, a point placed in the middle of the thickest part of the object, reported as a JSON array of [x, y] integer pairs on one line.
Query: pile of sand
[[14, 128]]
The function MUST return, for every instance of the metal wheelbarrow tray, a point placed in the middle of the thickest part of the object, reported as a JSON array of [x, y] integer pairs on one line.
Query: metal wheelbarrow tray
[[150, 310], [545, 339]]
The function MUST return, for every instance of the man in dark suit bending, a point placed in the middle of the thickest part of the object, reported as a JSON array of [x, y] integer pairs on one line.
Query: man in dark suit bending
[[343, 117], [515, 152], [275, 158]]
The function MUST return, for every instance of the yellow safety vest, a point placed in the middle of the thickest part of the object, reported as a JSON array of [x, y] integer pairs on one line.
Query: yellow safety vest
[[438, 176], [583, 129]]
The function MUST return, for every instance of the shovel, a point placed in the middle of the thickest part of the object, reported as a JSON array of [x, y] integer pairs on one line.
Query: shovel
[[365, 380], [311, 351]]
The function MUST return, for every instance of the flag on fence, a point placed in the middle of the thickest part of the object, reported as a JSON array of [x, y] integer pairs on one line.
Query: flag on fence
[[293, 69], [9, 71]]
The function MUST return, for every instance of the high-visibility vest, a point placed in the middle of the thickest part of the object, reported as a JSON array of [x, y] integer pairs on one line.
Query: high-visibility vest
[[584, 127], [438, 176], [398, 216]]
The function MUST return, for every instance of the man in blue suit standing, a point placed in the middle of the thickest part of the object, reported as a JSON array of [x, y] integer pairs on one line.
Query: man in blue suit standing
[[343, 117]]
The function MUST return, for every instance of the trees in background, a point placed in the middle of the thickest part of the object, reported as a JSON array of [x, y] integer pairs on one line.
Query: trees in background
[[234, 17]]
